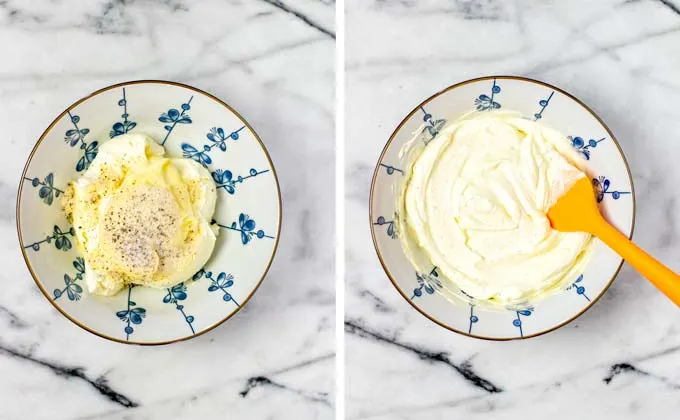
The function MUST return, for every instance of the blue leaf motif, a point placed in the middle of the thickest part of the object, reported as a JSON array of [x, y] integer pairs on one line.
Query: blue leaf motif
[[222, 282], [174, 117], [225, 179], [580, 289], [90, 153], [245, 227], [246, 222], [602, 187], [178, 293], [189, 151], [517, 322], [221, 277], [189, 148], [58, 237], [170, 116], [136, 315], [47, 191], [429, 282], [485, 102], [391, 230], [131, 315], [117, 129], [124, 127], [72, 289]]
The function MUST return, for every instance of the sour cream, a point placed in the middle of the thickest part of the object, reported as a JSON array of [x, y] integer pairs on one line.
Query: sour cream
[[140, 217], [474, 205]]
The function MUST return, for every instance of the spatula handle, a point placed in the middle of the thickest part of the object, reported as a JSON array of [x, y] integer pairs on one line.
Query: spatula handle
[[658, 274]]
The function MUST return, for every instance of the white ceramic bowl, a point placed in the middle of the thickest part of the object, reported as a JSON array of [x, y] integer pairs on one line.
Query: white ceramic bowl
[[190, 123], [606, 165]]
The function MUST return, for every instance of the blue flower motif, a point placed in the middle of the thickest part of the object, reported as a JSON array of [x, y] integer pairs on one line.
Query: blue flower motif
[[473, 318], [428, 282], [77, 135], [175, 294], [174, 117], [189, 151], [131, 315], [544, 104], [580, 289], [246, 226], [124, 127], [579, 144], [391, 169], [47, 190], [58, 236], [72, 289], [601, 185], [225, 179], [431, 126], [90, 153], [487, 103], [222, 283], [518, 321], [218, 139], [391, 231]]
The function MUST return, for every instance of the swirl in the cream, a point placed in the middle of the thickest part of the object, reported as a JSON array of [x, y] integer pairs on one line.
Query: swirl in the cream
[[474, 205]]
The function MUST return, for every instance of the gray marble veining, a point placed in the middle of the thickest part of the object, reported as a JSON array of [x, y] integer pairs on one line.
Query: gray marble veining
[[272, 61], [621, 359]]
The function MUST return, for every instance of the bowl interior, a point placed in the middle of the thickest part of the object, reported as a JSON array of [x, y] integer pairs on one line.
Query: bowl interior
[[192, 124], [605, 164]]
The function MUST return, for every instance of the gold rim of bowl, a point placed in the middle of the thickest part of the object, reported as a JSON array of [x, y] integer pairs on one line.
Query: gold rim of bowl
[[389, 143], [35, 148]]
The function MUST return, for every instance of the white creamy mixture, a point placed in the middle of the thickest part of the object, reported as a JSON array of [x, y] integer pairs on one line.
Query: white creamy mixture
[[140, 217], [475, 201]]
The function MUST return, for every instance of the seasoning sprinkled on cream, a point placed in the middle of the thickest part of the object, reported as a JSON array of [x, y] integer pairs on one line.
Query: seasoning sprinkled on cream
[[141, 218]]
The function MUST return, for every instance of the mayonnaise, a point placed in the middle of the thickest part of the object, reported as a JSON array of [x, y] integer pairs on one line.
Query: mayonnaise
[[474, 205]]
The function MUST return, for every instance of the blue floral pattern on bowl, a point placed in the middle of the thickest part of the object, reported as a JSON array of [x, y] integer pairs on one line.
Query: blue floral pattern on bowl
[[249, 186], [433, 295], [225, 179], [46, 189], [218, 139], [122, 127]]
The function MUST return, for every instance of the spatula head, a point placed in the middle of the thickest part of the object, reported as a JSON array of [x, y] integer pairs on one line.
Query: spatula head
[[576, 210]]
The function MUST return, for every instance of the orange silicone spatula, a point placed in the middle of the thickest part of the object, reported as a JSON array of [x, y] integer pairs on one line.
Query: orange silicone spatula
[[576, 211]]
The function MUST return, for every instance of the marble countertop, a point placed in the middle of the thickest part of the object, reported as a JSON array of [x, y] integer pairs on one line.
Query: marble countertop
[[621, 359], [274, 63]]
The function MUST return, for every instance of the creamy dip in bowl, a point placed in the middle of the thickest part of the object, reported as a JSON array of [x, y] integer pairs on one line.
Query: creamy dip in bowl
[[458, 201], [474, 201]]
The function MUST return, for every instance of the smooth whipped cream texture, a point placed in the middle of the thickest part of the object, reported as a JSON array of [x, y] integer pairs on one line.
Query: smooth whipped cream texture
[[475, 203], [140, 217]]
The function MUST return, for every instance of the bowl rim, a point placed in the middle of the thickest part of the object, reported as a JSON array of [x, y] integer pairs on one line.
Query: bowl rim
[[389, 143], [51, 126]]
